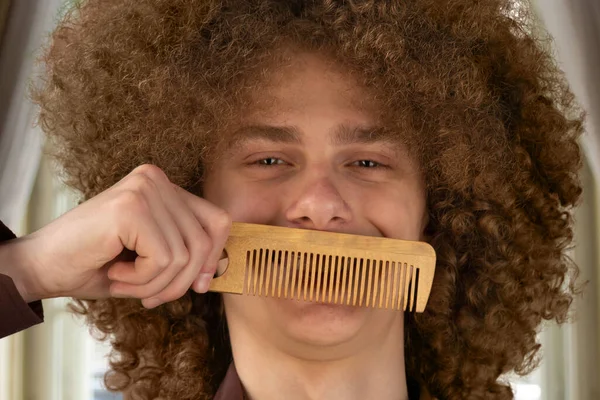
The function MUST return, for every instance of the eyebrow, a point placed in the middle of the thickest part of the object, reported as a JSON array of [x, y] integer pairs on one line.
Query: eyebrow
[[278, 134], [343, 135], [363, 135]]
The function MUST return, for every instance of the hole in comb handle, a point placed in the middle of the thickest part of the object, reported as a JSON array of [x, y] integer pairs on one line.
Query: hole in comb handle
[[222, 264]]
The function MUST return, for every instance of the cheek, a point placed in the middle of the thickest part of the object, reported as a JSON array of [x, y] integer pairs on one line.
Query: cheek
[[397, 213], [244, 201]]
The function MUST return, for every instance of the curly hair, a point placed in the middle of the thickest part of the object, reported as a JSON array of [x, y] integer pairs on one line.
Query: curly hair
[[491, 119]]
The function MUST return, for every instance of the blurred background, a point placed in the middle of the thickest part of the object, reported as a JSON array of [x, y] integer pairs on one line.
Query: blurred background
[[60, 360]]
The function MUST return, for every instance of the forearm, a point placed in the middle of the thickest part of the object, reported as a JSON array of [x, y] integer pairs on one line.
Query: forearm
[[17, 263]]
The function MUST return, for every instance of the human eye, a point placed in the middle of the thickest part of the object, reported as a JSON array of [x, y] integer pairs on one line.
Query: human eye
[[368, 164], [268, 162]]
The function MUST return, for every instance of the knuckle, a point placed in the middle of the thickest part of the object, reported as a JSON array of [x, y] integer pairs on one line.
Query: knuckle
[[141, 183], [204, 245], [209, 269], [199, 246], [163, 259], [131, 201], [181, 258], [144, 279], [222, 221], [151, 172]]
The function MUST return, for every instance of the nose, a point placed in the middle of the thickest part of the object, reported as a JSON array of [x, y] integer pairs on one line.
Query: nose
[[318, 205]]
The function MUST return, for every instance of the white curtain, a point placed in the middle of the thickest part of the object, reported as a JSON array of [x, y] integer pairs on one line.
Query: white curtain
[[570, 369], [27, 23], [575, 26]]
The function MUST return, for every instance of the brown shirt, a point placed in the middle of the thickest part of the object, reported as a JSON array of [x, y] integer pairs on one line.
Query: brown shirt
[[231, 388], [15, 314]]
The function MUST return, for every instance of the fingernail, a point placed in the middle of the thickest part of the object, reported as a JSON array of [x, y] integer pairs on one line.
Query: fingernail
[[204, 282], [153, 302]]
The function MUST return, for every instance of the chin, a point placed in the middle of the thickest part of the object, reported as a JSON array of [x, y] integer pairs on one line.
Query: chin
[[319, 324]]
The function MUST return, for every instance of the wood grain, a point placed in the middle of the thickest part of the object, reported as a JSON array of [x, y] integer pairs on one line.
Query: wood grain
[[327, 267]]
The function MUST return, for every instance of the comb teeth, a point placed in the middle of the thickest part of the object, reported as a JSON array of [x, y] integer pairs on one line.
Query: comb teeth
[[331, 279]]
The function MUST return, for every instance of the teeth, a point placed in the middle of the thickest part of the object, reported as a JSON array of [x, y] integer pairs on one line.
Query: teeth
[[329, 279]]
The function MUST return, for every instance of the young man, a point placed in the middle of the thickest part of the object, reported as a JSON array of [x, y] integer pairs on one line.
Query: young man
[[437, 121]]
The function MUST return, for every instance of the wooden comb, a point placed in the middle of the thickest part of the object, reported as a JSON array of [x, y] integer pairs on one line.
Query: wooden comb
[[327, 267]]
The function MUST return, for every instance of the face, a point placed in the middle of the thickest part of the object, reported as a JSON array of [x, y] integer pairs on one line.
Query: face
[[308, 160]]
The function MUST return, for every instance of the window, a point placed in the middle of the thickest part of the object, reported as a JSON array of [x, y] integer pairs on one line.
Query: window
[[61, 355]]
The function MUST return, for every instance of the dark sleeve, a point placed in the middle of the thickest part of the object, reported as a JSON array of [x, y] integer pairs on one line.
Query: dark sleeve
[[15, 314]]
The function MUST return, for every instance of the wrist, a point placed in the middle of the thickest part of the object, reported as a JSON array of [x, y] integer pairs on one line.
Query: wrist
[[17, 262]]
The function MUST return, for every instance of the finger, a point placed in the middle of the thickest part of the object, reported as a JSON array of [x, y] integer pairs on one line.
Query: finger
[[171, 284], [144, 272], [141, 234], [176, 288], [202, 282], [198, 243], [217, 224], [155, 286]]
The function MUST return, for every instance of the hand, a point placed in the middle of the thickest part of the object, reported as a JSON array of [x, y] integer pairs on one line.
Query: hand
[[177, 238]]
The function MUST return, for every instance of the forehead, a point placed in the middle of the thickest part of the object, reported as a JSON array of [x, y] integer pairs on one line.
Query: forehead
[[312, 83], [308, 97]]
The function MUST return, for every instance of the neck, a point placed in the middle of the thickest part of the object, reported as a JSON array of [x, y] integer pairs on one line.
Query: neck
[[365, 369]]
